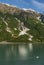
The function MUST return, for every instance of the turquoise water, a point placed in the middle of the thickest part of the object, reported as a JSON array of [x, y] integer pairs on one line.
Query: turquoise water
[[22, 54]]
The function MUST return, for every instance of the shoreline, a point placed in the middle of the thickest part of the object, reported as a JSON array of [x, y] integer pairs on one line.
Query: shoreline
[[21, 42]]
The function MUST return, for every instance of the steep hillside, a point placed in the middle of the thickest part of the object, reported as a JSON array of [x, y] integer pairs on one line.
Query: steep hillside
[[19, 25]]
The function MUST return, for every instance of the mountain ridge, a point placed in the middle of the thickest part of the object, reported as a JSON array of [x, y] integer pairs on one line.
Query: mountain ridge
[[17, 25], [24, 9]]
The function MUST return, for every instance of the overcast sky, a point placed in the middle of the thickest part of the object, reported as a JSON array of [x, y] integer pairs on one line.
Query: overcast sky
[[37, 5]]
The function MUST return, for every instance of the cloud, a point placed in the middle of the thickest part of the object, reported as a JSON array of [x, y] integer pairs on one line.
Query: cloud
[[24, 2], [34, 4], [38, 4]]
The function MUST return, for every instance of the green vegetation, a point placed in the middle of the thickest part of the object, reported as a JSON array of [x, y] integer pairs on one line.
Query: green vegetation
[[36, 28]]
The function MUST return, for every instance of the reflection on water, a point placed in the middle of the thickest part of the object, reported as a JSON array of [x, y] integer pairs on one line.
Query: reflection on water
[[21, 54], [22, 51], [30, 46]]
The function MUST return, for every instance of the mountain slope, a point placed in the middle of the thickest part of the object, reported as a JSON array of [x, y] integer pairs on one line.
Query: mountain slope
[[17, 25]]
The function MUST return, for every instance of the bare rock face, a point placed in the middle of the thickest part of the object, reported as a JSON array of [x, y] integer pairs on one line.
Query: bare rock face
[[4, 8]]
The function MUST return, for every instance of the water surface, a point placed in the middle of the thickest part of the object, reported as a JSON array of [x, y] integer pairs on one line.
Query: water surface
[[22, 54]]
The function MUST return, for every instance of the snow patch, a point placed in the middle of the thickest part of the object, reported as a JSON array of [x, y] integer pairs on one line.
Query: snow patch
[[17, 20], [8, 30], [42, 23], [8, 4], [37, 22], [15, 28], [30, 39], [38, 18], [4, 21], [31, 36], [25, 9], [29, 9], [12, 35], [24, 31]]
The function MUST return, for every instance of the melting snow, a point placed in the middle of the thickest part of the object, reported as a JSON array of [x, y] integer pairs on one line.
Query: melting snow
[[31, 36], [9, 5], [29, 9], [15, 28], [24, 31], [37, 22], [8, 30], [4, 21], [39, 18], [12, 35], [17, 20], [30, 39], [42, 23]]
